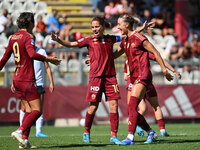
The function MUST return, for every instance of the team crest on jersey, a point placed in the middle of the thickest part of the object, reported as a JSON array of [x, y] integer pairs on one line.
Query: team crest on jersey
[[81, 40], [133, 45], [32, 42], [93, 96]]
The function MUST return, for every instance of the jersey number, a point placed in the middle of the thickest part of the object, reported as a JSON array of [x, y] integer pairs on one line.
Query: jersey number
[[116, 89], [16, 51]]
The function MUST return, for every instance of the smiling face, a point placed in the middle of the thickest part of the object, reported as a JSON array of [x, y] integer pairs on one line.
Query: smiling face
[[97, 29], [122, 26]]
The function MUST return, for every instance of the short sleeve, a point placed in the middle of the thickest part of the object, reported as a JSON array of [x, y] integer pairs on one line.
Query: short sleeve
[[83, 42], [140, 38], [152, 56]]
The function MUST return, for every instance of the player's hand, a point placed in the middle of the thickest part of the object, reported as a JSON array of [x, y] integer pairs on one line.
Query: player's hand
[[12, 88], [87, 60], [168, 76], [54, 36], [148, 25], [53, 60], [51, 87], [177, 74]]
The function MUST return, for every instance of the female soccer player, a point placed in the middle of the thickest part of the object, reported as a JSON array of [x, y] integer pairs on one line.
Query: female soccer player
[[102, 76], [151, 96], [136, 46], [21, 44], [39, 74]]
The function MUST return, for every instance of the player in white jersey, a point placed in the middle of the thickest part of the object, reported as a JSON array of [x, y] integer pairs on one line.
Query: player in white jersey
[[39, 74]]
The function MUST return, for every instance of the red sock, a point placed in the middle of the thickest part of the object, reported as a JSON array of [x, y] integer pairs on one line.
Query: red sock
[[88, 122], [142, 123], [133, 114], [114, 123], [26, 133], [30, 120], [161, 124]]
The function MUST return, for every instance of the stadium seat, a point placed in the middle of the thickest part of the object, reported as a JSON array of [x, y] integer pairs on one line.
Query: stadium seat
[[63, 66], [73, 65], [14, 17], [5, 5], [45, 41], [3, 41], [2, 51], [29, 6], [17, 6], [41, 7]]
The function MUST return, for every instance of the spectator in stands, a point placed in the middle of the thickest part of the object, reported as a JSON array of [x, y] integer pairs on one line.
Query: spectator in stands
[[97, 4], [146, 16], [195, 45], [53, 23], [39, 41], [6, 24], [175, 52], [160, 23], [124, 8], [41, 26], [5, 21], [51, 45], [111, 11]]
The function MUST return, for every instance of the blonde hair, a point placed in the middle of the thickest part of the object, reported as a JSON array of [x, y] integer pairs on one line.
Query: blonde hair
[[129, 19]]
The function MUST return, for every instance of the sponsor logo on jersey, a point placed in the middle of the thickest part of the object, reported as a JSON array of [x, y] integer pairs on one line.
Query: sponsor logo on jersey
[[95, 88], [93, 96]]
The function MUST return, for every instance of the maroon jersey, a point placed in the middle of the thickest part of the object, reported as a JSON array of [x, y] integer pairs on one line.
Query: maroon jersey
[[101, 54], [21, 44], [138, 57]]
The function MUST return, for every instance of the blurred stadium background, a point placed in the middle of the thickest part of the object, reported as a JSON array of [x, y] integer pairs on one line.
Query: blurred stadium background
[[176, 37]]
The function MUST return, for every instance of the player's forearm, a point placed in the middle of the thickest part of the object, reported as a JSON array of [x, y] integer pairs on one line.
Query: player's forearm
[[118, 52], [37, 56], [49, 73], [169, 66]]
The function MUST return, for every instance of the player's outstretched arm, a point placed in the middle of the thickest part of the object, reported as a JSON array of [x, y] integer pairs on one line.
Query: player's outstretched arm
[[53, 60], [118, 52], [149, 47], [177, 74], [62, 42], [146, 26], [48, 70]]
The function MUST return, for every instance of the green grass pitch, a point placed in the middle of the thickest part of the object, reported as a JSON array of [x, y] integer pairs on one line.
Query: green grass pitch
[[182, 137]]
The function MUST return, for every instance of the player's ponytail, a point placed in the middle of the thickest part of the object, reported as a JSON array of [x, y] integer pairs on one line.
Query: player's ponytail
[[101, 21], [131, 20]]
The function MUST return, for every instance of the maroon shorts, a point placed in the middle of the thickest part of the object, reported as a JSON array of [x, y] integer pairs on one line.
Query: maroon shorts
[[98, 85], [150, 92], [26, 90], [129, 84]]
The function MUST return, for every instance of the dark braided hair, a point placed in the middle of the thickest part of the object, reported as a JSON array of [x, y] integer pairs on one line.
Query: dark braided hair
[[24, 20]]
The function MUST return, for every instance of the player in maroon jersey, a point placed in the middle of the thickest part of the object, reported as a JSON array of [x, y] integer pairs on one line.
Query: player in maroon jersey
[[151, 96], [102, 77], [21, 44], [136, 46]]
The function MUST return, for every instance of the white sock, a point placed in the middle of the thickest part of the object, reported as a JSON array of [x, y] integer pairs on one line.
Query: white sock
[[130, 136], [21, 116], [150, 131], [39, 124], [162, 130]]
